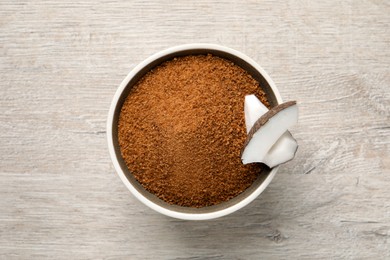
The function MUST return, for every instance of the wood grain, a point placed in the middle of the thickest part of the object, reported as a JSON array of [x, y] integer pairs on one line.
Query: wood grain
[[61, 63]]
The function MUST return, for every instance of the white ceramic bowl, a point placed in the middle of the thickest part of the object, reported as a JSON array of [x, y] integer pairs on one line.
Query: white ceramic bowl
[[128, 179]]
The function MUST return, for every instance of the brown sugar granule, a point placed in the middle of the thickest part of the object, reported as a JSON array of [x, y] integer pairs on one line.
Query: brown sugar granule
[[181, 130]]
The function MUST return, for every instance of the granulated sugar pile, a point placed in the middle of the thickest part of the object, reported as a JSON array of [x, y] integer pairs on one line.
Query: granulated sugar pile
[[182, 127]]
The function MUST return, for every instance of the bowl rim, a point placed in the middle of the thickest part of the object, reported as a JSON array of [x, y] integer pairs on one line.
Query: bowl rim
[[111, 148]]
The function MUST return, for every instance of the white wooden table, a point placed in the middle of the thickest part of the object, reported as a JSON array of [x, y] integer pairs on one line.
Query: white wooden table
[[61, 62]]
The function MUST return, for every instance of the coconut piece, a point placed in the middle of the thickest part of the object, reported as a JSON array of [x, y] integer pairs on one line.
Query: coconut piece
[[266, 132], [253, 109], [285, 147], [282, 151]]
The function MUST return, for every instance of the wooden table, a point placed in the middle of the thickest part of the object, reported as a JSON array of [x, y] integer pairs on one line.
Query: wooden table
[[61, 63]]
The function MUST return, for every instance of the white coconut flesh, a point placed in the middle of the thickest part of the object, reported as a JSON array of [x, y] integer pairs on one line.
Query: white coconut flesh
[[282, 151], [268, 140], [284, 148], [253, 109]]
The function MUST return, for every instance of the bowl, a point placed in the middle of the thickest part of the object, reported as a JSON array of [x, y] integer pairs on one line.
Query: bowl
[[127, 177]]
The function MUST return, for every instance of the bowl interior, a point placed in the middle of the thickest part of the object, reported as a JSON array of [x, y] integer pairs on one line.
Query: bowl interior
[[238, 61]]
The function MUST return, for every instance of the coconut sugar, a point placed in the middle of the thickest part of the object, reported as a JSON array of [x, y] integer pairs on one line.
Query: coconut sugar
[[181, 130]]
